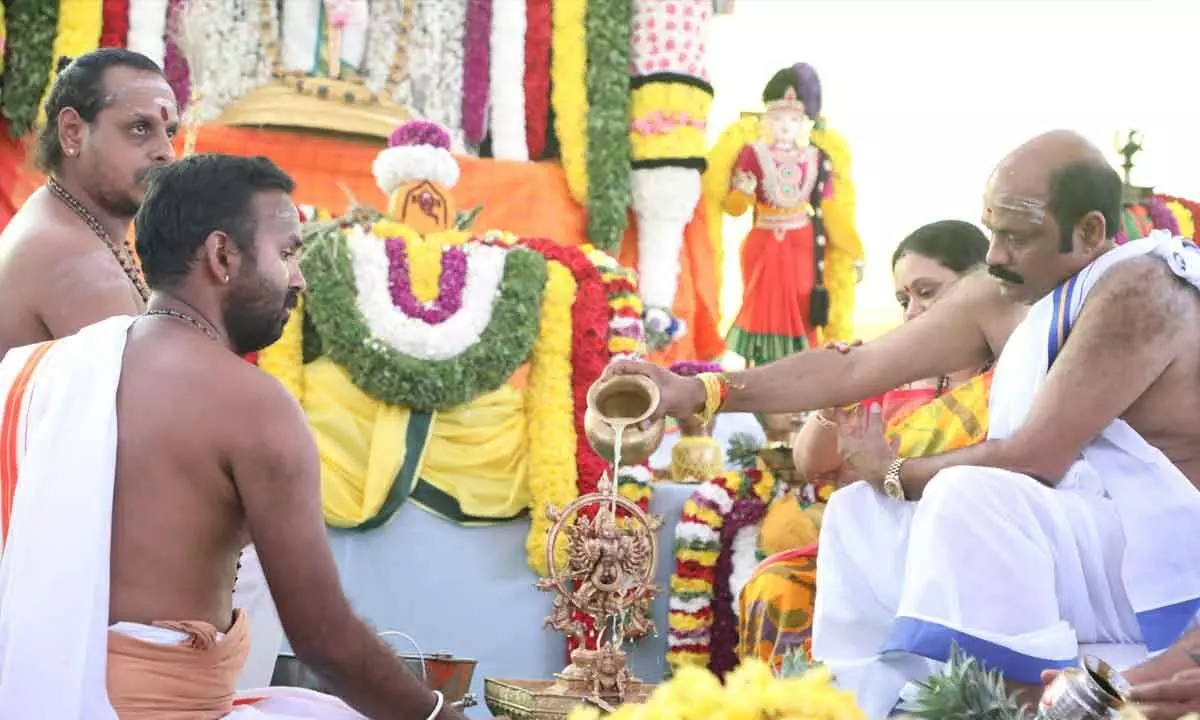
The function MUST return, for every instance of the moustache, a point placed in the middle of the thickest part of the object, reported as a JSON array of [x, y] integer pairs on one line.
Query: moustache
[[293, 299], [1005, 274]]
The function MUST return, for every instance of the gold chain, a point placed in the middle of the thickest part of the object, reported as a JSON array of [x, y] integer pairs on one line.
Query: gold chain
[[119, 250], [202, 327]]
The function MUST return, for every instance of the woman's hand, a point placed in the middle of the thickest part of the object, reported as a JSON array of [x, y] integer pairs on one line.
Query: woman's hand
[[866, 450]]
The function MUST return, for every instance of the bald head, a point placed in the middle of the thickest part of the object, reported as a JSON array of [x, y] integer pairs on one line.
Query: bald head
[[1056, 189], [1032, 166]]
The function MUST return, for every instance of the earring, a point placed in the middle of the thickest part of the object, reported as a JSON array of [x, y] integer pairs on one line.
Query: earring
[[71, 152], [226, 278]]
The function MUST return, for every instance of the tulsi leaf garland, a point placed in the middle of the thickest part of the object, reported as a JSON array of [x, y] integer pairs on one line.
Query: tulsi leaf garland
[[29, 56], [395, 378], [608, 154]]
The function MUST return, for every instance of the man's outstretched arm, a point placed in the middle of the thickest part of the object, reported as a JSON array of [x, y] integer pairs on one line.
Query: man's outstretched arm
[[952, 335], [1118, 348]]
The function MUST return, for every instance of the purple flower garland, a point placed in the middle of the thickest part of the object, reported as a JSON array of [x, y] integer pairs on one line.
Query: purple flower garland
[[476, 70], [450, 284], [723, 640]]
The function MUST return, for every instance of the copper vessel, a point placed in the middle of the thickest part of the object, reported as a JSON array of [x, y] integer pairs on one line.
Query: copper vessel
[[626, 401]]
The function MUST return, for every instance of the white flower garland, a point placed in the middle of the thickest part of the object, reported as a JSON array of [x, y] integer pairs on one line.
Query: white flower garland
[[383, 36], [664, 200], [404, 163], [148, 29], [744, 560], [413, 336], [436, 63], [507, 84], [226, 58]]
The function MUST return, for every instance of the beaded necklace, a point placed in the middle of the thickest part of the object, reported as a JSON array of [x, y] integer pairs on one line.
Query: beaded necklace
[[119, 250]]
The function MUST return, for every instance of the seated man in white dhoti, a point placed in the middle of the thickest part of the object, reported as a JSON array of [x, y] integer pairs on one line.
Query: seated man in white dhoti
[[139, 456], [1075, 523]]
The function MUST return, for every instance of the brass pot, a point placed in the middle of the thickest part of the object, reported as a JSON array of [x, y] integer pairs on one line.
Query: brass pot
[[629, 401]]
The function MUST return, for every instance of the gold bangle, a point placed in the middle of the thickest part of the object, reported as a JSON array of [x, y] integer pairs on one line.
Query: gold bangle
[[712, 397], [822, 421]]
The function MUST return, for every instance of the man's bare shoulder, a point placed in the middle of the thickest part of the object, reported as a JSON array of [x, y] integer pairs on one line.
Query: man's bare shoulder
[[1139, 299]]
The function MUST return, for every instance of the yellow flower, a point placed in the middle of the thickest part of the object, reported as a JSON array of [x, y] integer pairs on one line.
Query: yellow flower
[[550, 409], [79, 26], [568, 91]]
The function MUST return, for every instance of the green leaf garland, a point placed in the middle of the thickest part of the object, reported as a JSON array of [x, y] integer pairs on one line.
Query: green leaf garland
[[389, 375], [30, 56], [609, 155]]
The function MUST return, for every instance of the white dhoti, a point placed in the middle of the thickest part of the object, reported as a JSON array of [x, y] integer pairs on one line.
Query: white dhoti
[[1017, 573], [58, 447]]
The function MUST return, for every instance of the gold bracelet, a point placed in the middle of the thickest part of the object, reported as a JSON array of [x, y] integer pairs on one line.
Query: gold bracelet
[[822, 421], [712, 397]]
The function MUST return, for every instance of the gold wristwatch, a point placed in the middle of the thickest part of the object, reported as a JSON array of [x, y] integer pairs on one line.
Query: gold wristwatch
[[891, 480]]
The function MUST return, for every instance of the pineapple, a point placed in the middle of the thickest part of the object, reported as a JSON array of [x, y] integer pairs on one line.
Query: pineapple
[[966, 690]]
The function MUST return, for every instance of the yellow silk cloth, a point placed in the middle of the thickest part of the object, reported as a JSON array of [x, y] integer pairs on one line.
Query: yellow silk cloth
[[478, 450], [955, 420], [777, 602]]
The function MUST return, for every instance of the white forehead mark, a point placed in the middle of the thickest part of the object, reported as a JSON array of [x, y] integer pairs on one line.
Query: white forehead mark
[[1028, 209]]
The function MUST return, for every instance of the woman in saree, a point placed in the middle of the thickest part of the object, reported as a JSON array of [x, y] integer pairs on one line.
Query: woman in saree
[[928, 417]]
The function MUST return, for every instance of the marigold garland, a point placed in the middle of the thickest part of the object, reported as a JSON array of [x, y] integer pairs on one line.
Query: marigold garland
[[550, 413], [698, 548], [538, 28], [79, 24], [608, 153], [568, 88], [3, 37], [589, 318], [114, 23], [670, 120], [721, 159], [397, 379]]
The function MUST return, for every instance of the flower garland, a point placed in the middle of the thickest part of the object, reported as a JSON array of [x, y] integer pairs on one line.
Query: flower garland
[[1186, 218], [148, 28], [28, 55], [386, 62], [221, 41], [750, 692], [715, 182], [568, 91], [698, 553], [626, 333], [745, 515], [79, 26], [413, 336], [507, 88], [608, 154], [551, 414], [477, 46], [538, 27], [114, 23], [451, 282], [175, 65], [389, 375], [589, 318], [436, 64]]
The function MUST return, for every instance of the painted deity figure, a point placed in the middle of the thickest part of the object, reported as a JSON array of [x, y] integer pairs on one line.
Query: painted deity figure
[[418, 172], [787, 179]]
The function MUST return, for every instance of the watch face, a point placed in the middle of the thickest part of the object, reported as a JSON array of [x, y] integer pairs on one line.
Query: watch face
[[893, 489]]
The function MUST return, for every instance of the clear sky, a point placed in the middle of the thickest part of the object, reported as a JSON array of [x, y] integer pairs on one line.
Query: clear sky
[[931, 93]]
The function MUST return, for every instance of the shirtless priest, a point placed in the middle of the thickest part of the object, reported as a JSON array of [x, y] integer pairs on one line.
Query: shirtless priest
[[147, 454], [1075, 523]]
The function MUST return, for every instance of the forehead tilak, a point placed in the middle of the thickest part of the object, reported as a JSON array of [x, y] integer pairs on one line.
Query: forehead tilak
[[1026, 208]]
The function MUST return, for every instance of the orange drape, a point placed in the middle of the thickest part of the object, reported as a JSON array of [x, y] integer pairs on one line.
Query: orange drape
[[527, 198]]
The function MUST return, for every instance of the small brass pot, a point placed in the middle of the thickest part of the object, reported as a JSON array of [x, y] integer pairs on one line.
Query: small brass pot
[[628, 400]]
